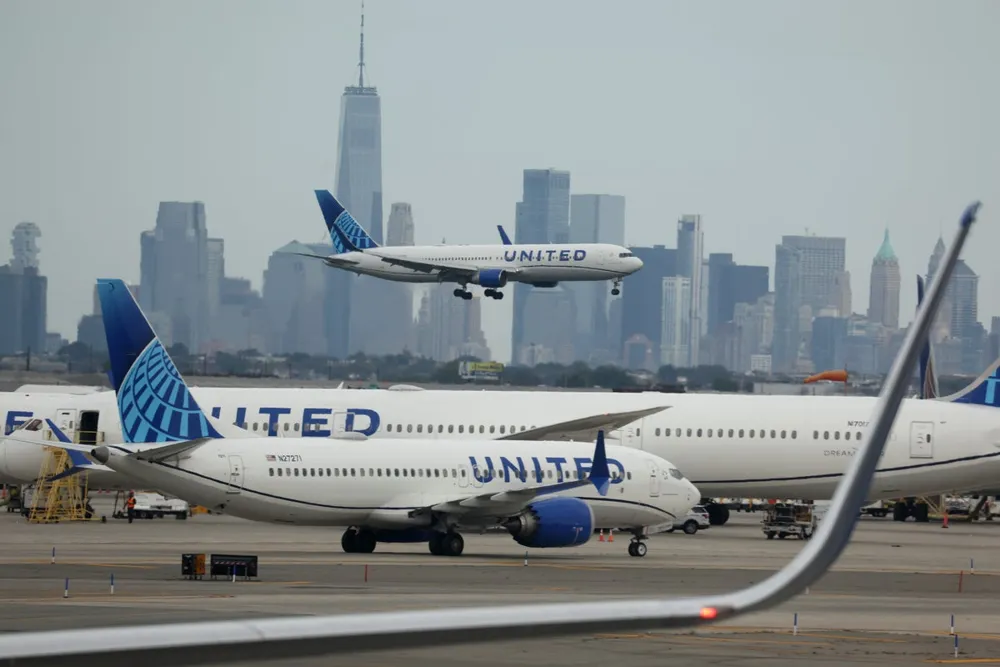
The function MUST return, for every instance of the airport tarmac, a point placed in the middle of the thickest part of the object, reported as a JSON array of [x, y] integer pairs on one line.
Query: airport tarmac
[[888, 600]]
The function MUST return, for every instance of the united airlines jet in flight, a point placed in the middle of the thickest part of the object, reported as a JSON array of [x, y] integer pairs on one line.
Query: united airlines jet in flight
[[489, 266]]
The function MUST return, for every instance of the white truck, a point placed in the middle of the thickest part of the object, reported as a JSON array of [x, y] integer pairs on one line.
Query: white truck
[[152, 505]]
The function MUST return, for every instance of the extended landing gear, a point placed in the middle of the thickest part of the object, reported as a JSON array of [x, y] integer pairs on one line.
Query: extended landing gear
[[903, 509], [446, 544], [357, 541], [616, 287], [493, 293], [637, 548], [718, 514], [462, 293]]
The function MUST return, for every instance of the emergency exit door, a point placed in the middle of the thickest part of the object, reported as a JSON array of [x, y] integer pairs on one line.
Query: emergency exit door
[[235, 474], [66, 422], [654, 481], [921, 440]]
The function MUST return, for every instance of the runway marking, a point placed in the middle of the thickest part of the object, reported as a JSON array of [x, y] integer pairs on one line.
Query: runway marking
[[130, 566], [850, 638], [967, 661], [104, 597]]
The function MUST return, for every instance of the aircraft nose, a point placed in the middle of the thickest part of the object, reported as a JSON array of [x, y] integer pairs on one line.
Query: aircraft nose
[[636, 263]]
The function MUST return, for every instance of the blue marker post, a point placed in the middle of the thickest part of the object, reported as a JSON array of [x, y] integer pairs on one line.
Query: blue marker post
[[526, 559], [953, 624], [53, 555], [66, 589], [972, 566], [795, 624], [956, 646], [112, 583]]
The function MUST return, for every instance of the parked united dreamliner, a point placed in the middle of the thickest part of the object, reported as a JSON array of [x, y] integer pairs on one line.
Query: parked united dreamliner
[[490, 266], [413, 491]]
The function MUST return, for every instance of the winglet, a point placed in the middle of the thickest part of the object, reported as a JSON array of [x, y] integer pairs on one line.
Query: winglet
[[600, 475], [503, 236]]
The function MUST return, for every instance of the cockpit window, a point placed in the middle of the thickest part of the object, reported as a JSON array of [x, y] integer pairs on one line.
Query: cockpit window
[[31, 425], [625, 254], [676, 474]]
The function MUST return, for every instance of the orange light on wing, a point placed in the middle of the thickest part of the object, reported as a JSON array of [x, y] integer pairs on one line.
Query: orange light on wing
[[832, 376], [708, 613]]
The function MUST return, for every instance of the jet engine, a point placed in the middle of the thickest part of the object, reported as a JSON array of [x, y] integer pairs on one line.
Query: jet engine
[[491, 278], [556, 522]]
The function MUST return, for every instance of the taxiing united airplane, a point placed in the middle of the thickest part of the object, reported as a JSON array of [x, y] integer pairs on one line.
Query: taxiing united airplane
[[413, 491], [489, 266]]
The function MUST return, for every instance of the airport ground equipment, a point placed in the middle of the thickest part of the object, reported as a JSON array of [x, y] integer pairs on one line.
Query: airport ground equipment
[[788, 519], [220, 642], [56, 498], [221, 565], [150, 505], [193, 566]]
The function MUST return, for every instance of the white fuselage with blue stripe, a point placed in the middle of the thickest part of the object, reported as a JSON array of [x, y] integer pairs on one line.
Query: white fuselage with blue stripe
[[727, 445], [534, 264], [383, 484]]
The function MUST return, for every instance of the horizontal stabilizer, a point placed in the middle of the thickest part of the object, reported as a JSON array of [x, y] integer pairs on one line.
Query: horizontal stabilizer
[[585, 428]]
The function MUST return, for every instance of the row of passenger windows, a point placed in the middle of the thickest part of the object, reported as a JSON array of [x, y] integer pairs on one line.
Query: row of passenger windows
[[754, 433], [416, 472], [398, 428]]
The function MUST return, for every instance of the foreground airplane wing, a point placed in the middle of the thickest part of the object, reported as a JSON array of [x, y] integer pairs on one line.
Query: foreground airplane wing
[[284, 638], [584, 428]]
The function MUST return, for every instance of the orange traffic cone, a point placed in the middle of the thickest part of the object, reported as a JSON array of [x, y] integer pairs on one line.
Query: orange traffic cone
[[602, 536], [611, 535], [944, 523]]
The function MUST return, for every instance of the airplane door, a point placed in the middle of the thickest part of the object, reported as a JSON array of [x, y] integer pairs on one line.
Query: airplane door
[[475, 479], [235, 474], [654, 481], [921, 440], [463, 476], [66, 421]]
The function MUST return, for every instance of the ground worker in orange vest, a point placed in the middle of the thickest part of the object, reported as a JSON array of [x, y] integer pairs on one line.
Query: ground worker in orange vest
[[130, 505]]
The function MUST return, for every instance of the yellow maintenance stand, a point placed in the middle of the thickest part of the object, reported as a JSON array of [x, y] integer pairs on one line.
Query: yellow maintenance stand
[[63, 499]]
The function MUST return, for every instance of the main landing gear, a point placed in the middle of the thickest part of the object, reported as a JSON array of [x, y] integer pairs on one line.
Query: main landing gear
[[718, 514], [462, 293], [446, 544], [358, 541], [493, 293], [616, 287], [637, 547]]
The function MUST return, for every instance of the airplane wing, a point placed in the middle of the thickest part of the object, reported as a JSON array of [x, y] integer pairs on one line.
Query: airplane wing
[[504, 503], [458, 270], [217, 642], [331, 260], [584, 428]]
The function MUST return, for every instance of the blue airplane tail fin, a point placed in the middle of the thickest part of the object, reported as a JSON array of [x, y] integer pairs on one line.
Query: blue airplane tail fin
[[982, 391], [154, 404], [503, 236], [352, 236]]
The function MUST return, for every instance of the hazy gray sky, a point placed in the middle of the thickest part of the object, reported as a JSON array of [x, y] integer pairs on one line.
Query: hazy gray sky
[[765, 117]]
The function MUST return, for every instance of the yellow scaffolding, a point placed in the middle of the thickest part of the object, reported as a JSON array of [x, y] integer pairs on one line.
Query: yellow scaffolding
[[63, 499]]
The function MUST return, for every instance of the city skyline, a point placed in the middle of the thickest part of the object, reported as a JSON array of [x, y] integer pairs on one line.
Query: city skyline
[[451, 154]]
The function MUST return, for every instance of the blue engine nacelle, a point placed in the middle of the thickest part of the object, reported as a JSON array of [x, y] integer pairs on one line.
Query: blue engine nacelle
[[491, 278], [556, 522]]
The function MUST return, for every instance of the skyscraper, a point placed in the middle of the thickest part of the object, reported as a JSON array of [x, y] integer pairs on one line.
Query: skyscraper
[[400, 225], [594, 219], [542, 216], [729, 284], [642, 302], [690, 256], [805, 270], [294, 288], [676, 323], [175, 272], [883, 303], [380, 313], [23, 295]]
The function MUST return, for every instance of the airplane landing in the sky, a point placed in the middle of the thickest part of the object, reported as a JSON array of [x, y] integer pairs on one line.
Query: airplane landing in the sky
[[490, 266]]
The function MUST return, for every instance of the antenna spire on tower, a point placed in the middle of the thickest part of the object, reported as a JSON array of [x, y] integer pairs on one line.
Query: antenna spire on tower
[[361, 60]]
